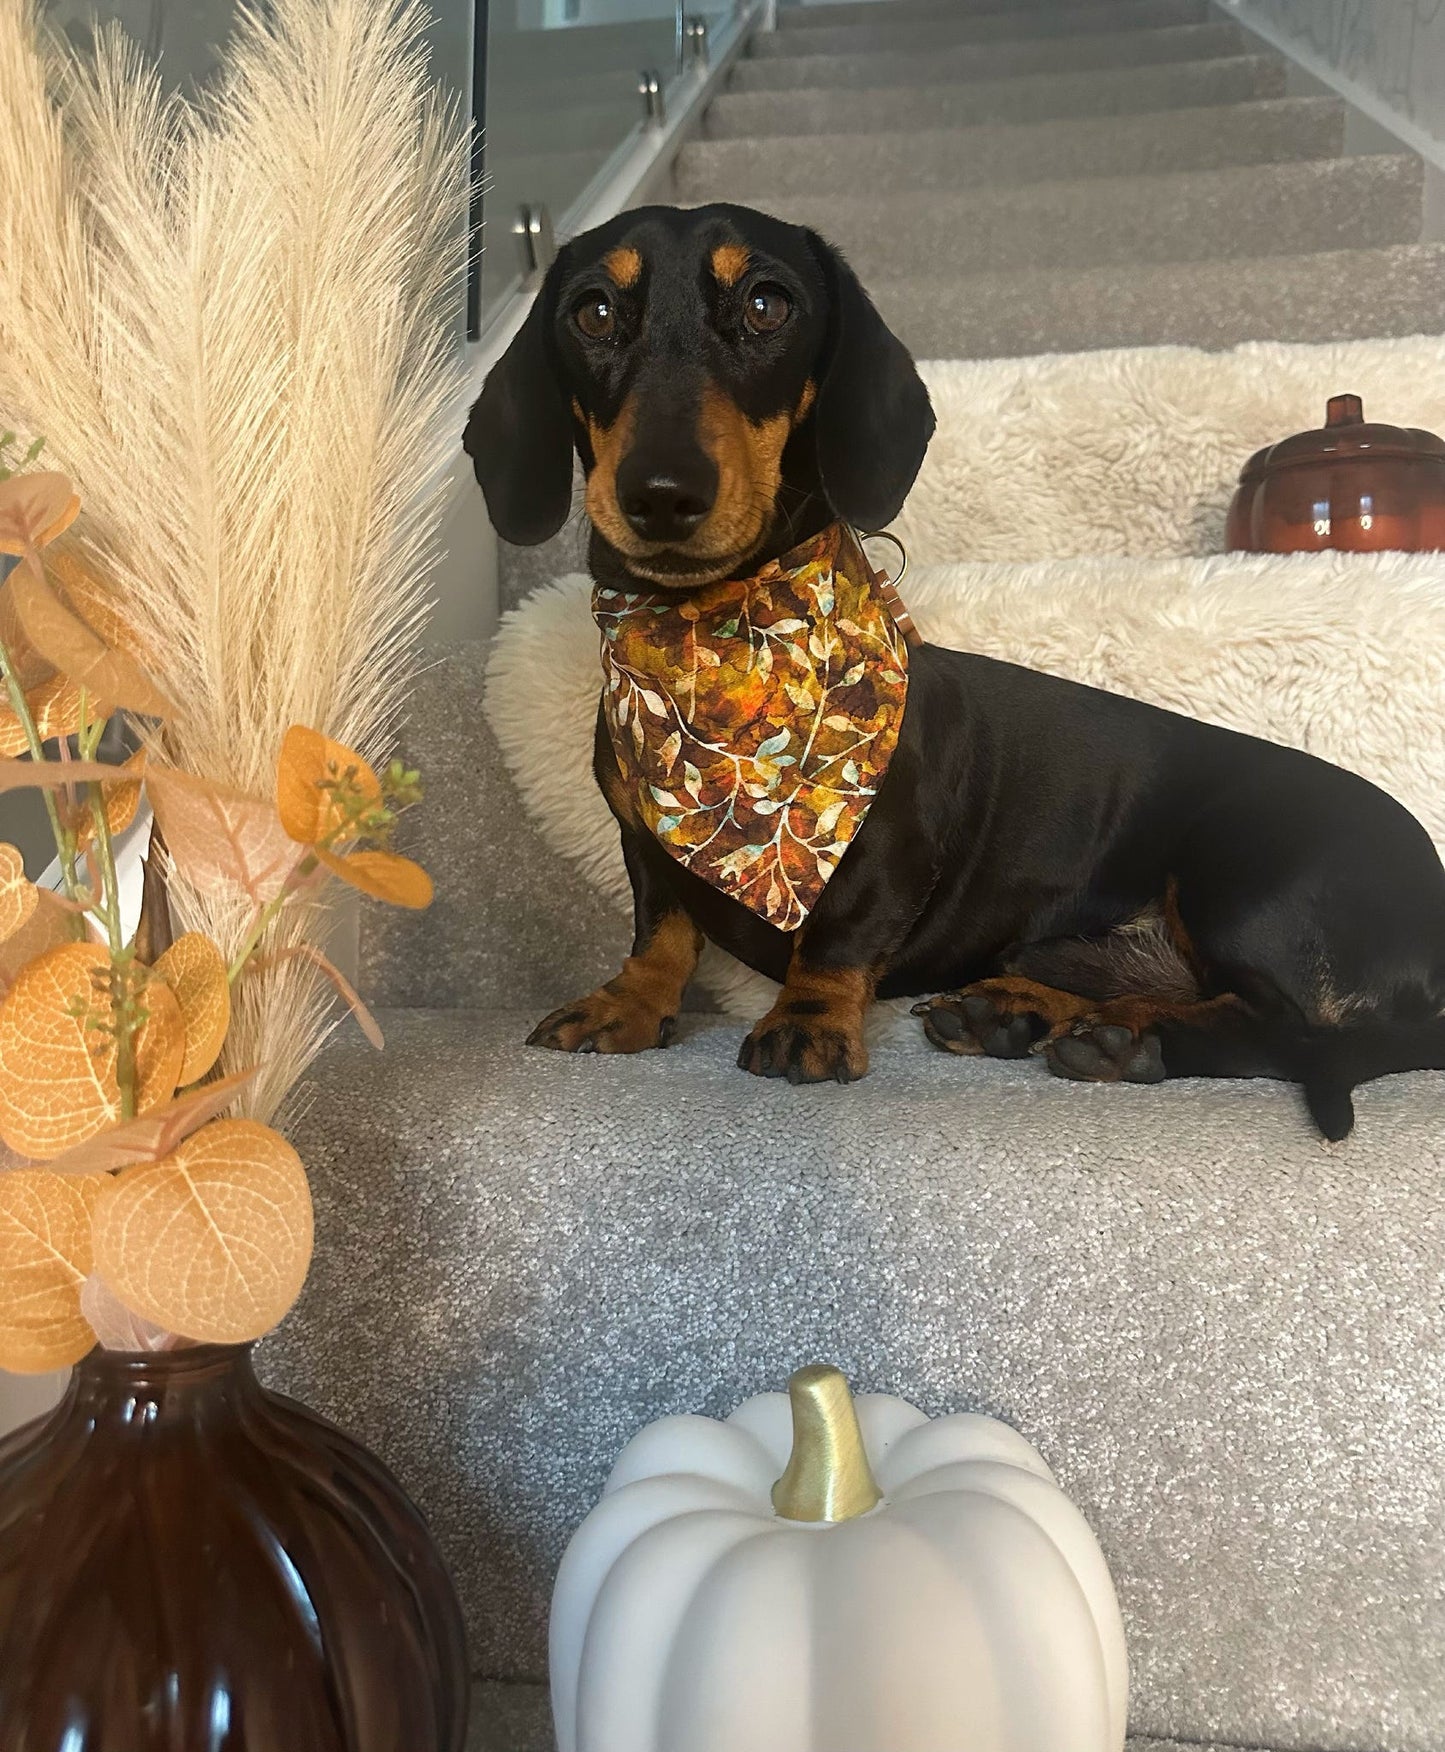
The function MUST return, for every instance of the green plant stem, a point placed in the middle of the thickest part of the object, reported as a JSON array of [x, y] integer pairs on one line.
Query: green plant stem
[[122, 998], [64, 842], [266, 917]]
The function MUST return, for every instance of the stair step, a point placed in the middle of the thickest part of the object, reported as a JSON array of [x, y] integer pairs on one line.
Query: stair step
[[1205, 215], [896, 27], [1038, 97], [1175, 1293], [518, 1718], [489, 863], [1332, 296], [971, 61], [999, 154]]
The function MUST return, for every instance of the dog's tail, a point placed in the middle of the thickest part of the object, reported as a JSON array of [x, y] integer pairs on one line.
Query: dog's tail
[[1331, 1063]]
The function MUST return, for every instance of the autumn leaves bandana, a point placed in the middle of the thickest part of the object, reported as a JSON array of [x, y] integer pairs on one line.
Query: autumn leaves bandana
[[753, 720]]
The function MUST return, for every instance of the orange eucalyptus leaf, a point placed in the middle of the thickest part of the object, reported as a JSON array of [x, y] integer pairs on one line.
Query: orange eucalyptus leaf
[[309, 762], [121, 801], [55, 707], [154, 1134], [52, 923], [58, 1083], [46, 1251], [19, 897], [92, 598], [216, 834], [195, 970], [34, 509], [63, 639], [383, 875], [214, 1240], [114, 1324], [13, 740], [28, 666]]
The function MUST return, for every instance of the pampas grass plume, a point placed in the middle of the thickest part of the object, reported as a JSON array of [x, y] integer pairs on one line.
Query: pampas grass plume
[[231, 320]]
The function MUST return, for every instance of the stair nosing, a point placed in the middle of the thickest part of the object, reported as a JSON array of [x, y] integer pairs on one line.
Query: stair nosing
[[802, 26], [1009, 42], [1011, 193], [1315, 101], [1428, 251], [1260, 62]]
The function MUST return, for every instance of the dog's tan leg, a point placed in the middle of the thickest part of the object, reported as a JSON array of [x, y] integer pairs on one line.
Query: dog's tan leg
[[636, 1010], [814, 1032]]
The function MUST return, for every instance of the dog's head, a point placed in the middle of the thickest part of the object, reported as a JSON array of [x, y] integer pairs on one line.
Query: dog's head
[[724, 378]]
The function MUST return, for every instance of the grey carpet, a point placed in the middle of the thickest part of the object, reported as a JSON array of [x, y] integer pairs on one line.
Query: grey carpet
[[1227, 1338], [1112, 91], [1214, 216], [972, 61], [1006, 154]]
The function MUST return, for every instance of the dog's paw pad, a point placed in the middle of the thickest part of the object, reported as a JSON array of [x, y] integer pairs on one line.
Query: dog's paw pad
[[978, 1020], [1107, 1052]]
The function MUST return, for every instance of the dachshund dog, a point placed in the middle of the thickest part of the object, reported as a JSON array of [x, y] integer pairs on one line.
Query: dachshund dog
[[1052, 868]]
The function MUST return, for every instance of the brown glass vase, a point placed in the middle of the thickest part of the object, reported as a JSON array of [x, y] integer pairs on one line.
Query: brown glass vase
[[189, 1563]]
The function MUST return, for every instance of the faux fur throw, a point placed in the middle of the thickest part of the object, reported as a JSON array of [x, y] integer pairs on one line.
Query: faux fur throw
[[1134, 452]]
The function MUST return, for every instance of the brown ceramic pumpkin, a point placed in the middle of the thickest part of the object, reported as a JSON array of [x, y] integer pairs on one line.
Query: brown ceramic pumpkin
[[1352, 485]]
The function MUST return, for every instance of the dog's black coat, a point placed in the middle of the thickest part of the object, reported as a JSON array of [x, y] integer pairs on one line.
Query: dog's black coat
[[1020, 812]]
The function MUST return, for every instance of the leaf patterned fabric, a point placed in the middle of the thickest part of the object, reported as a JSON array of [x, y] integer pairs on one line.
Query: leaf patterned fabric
[[753, 720]]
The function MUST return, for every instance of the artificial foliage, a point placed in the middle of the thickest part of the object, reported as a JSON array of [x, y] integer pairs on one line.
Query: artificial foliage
[[226, 326], [135, 1208]]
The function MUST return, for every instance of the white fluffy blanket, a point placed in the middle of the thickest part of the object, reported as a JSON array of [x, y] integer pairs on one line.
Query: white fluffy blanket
[[1127, 458], [1133, 452]]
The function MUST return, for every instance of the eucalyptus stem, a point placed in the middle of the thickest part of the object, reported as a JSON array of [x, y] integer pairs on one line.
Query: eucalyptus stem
[[122, 996], [265, 917]]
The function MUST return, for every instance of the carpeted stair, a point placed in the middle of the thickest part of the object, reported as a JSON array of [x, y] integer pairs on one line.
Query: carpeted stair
[[1083, 175], [1225, 1338]]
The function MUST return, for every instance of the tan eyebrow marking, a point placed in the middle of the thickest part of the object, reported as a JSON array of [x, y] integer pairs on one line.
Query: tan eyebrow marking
[[624, 264], [730, 263]]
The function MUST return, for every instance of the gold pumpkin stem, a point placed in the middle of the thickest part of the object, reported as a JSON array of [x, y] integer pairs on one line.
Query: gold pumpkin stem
[[828, 1477]]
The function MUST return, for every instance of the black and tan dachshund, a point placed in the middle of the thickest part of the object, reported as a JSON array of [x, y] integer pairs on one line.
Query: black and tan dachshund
[[1131, 893]]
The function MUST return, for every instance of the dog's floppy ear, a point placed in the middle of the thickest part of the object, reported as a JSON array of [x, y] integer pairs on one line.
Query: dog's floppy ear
[[872, 417], [519, 435]]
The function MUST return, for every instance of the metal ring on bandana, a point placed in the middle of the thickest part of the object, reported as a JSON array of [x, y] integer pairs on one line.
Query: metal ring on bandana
[[888, 535]]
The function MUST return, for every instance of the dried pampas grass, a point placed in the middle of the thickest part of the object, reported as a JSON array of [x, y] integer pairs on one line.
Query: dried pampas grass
[[231, 323]]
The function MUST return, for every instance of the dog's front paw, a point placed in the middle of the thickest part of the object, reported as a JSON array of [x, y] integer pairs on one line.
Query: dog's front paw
[[1097, 1051], [805, 1051], [605, 1021]]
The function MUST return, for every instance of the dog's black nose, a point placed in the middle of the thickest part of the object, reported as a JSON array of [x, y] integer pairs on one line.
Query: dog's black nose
[[666, 504]]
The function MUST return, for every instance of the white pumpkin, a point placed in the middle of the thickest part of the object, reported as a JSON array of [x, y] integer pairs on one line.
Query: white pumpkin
[[747, 1586]]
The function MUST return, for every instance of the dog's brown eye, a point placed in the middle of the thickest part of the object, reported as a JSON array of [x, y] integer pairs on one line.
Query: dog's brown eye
[[767, 309], [595, 318]]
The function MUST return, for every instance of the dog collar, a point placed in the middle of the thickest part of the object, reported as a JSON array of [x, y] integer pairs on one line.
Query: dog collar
[[753, 720]]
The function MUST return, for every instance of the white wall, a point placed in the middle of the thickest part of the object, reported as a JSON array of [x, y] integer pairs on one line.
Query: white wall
[[1386, 55]]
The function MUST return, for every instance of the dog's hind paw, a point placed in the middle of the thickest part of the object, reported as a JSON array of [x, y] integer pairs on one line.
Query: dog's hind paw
[[999, 1018], [1094, 1051]]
